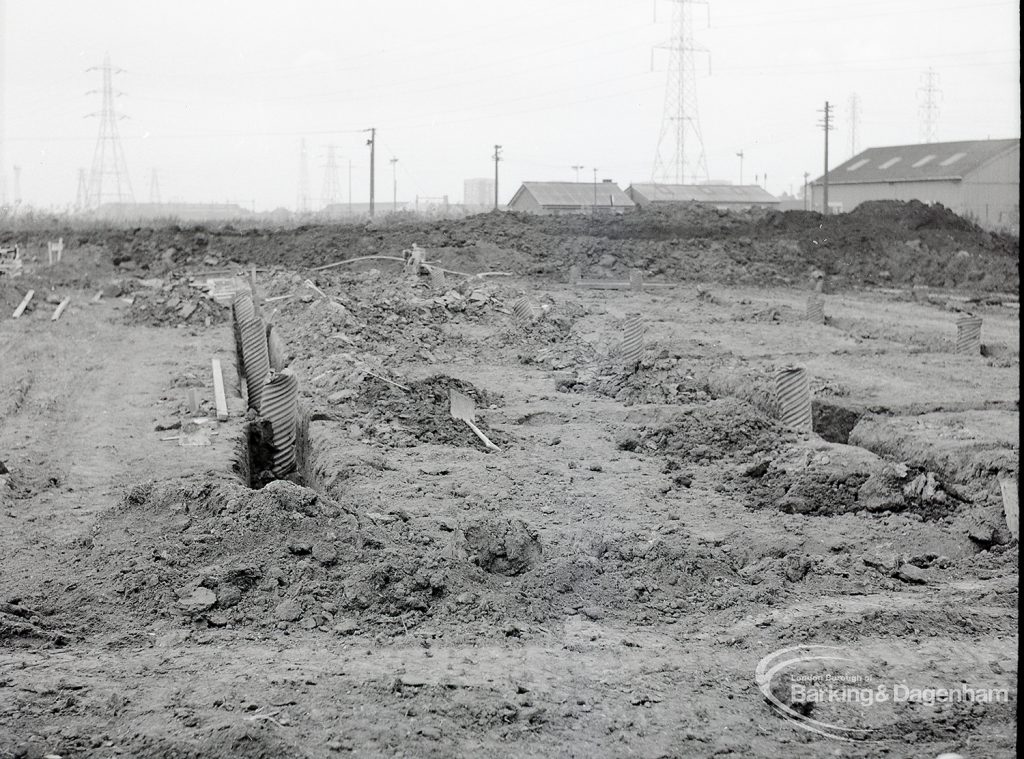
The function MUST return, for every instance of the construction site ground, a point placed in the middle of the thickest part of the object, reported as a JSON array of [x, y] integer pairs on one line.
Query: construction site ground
[[605, 585]]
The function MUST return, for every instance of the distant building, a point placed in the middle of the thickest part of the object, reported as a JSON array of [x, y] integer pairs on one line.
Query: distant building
[[478, 193], [717, 195], [978, 179], [570, 197], [172, 211]]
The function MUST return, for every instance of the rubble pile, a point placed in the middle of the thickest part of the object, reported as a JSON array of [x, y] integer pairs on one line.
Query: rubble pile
[[173, 301], [399, 418]]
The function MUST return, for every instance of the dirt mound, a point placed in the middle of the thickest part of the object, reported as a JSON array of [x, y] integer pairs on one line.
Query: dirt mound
[[721, 429], [399, 418], [880, 243]]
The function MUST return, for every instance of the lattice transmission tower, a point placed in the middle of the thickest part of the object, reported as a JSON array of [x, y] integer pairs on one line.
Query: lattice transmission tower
[[854, 108], [108, 180], [680, 152], [302, 203], [928, 95], [331, 192]]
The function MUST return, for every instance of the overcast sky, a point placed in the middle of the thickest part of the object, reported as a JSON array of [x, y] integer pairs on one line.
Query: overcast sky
[[218, 95]]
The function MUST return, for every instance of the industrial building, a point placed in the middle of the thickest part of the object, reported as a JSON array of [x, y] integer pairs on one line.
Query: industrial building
[[978, 179], [570, 197], [726, 196]]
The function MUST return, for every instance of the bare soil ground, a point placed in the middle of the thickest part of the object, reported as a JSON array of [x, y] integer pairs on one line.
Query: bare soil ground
[[605, 585]]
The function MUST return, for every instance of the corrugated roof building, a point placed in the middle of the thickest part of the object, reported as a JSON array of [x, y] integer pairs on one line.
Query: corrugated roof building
[[570, 197], [978, 179], [717, 195]]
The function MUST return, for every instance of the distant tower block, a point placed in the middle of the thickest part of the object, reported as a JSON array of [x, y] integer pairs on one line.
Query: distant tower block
[[793, 394], [968, 335]]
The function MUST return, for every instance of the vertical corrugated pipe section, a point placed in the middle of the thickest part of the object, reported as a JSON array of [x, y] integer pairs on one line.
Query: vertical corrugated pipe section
[[968, 335], [255, 358], [793, 394], [437, 278], [280, 408], [524, 310], [632, 340], [815, 309]]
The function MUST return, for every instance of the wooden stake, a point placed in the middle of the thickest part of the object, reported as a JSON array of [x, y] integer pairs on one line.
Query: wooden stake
[[24, 304], [60, 309], [218, 391]]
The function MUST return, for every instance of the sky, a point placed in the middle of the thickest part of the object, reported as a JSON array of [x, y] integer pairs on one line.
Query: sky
[[218, 95]]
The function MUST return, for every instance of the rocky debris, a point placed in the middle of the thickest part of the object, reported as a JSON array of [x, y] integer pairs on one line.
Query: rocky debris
[[200, 600], [171, 302], [288, 611], [911, 574], [389, 415], [503, 546]]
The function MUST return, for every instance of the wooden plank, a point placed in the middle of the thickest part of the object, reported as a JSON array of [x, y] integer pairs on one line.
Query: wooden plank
[[24, 304], [218, 391], [60, 309], [1010, 507]]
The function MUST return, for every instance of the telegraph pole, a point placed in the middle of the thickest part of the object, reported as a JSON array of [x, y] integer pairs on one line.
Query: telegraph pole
[[372, 142], [595, 191], [394, 186], [497, 157], [827, 125]]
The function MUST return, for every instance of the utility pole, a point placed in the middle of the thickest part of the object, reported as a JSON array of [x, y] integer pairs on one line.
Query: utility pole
[[594, 211], [740, 156], [108, 157], [577, 168], [497, 157], [827, 125], [806, 201], [372, 142], [394, 186]]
